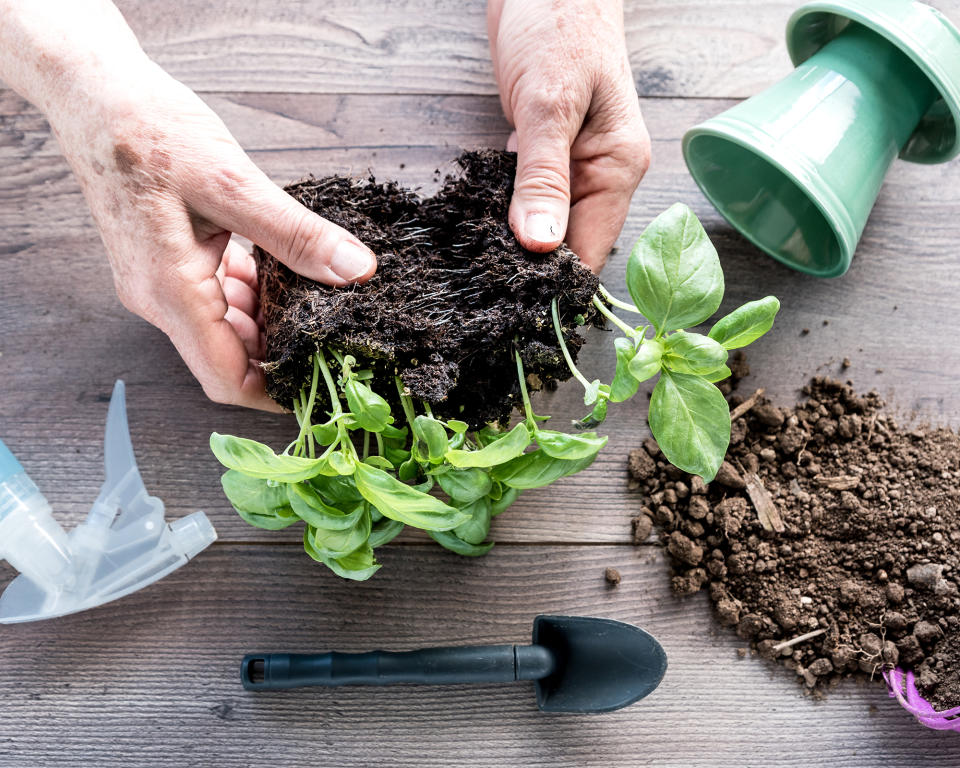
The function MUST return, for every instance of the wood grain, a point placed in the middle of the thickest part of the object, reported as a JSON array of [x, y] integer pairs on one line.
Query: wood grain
[[153, 679], [699, 48]]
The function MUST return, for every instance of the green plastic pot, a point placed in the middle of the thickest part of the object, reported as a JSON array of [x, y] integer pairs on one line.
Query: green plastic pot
[[797, 168]]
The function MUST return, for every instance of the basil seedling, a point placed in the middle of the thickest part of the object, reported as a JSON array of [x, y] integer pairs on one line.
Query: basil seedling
[[366, 471]]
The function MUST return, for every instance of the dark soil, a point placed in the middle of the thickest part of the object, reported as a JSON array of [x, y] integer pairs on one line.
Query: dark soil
[[869, 547], [453, 293]]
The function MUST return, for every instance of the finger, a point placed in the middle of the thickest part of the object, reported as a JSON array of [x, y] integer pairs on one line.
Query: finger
[[214, 351], [239, 263], [241, 296], [541, 193], [595, 224], [512, 142], [248, 331], [607, 167], [251, 205]]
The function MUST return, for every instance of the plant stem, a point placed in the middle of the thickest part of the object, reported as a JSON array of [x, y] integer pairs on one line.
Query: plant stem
[[307, 412], [379, 443], [627, 330], [296, 445], [366, 444], [527, 408], [615, 302], [407, 404], [426, 408], [558, 329], [331, 386]]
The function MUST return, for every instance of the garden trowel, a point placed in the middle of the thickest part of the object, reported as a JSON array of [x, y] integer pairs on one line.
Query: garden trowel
[[578, 664]]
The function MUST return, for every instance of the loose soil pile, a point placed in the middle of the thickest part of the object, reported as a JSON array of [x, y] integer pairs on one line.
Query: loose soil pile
[[859, 538], [453, 294]]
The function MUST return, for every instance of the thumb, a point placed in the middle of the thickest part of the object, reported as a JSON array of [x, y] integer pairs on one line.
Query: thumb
[[258, 209], [541, 192]]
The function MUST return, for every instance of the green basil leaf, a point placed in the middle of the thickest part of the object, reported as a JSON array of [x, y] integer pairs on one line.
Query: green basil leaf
[[746, 324], [257, 502], [359, 565], [340, 543], [433, 434], [536, 469], [475, 530], [720, 374], [252, 494], [385, 531], [390, 432], [596, 417], [309, 507], [325, 434], [401, 502], [338, 491], [342, 463], [686, 352], [673, 273], [379, 461], [408, 470], [370, 410], [396, 456], [456, 442], [465, 485], [506, 498], [647, 360], [489, 434], [560, 445], [454, 543], [624, 384], [591, 392], [690, 421], [258, 460], [505, 448], [457, 426]]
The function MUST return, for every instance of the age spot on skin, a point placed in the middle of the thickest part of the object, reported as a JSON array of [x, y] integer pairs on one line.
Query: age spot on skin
[[160, 159], [125, 158]]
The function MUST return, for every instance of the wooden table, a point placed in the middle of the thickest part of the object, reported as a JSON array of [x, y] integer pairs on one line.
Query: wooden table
[[397, 87]]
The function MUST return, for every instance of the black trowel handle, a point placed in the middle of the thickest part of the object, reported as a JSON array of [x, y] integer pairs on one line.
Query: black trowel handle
[[431, 666]]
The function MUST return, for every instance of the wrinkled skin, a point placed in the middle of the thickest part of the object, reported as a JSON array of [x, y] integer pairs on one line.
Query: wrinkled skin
[[566, 87]]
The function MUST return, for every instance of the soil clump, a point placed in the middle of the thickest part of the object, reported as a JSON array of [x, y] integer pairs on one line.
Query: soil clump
[[453, 295], [831, 519]]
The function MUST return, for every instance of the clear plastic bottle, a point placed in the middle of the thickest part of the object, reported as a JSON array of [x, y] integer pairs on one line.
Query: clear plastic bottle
[[31, 540]]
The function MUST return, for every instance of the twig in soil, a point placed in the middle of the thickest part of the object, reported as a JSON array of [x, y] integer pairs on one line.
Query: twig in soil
[[762, 501], [798, 639], [840, 482], [746, 405]]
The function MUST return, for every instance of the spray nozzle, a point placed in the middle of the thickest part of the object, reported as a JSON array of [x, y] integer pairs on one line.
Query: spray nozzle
[[124, 544]]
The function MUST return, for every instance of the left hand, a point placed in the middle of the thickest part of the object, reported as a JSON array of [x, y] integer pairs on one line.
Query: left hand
[[566, 87]]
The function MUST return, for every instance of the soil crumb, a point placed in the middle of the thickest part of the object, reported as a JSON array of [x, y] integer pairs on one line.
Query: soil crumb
[[859, 542], [453, 294]]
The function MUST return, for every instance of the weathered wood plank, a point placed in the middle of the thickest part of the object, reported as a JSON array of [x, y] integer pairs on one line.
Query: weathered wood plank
[[152, 679], [64, 336], [701, 48]]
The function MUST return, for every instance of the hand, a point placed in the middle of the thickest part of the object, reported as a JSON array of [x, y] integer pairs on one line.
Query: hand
[[167, 185], [566, 87]]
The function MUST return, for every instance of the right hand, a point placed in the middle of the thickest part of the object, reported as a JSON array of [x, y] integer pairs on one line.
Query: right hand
[[167, 185]]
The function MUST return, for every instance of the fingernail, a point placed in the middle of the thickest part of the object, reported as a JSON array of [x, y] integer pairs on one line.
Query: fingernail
[[542, 227], [351, 261]]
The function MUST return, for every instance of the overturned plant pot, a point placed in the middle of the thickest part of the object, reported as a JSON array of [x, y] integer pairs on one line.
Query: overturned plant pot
[[454, 294]]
